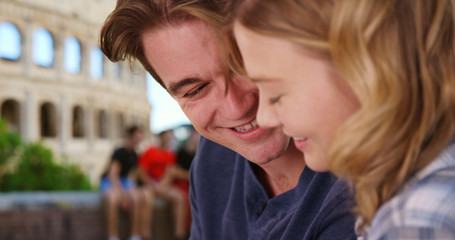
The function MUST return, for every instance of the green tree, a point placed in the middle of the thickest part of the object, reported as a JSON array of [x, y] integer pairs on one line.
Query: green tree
[[36, 171], [34, 167], [9, 143]]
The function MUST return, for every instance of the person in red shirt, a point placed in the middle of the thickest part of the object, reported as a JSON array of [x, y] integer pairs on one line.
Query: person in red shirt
[[156, 164]]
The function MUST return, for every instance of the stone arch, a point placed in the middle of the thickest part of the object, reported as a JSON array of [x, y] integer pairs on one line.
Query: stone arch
[[48, 120], [78, 125], [11, 114]]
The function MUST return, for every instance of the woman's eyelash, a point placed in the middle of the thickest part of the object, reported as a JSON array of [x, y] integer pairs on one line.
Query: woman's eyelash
[[196, 91], [274, 100]]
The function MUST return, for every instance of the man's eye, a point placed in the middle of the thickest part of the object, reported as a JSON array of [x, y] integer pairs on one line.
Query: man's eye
[[274, 100], [195, 91]]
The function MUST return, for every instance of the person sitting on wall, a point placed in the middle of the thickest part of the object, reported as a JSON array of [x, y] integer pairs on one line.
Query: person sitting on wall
[[179, 174], [157, 170], [120, 191]]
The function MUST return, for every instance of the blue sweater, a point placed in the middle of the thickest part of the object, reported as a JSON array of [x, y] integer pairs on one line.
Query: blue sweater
[[228, 202]]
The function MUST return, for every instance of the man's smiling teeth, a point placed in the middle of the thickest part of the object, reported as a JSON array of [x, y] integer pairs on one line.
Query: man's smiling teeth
[[247, 127]]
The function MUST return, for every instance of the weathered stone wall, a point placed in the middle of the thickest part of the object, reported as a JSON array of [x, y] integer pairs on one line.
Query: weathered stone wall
[[121, 94], [68, 216]]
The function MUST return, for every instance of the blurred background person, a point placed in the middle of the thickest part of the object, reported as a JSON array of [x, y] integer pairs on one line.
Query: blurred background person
[[158, 171], [179, 174], [119, 188]]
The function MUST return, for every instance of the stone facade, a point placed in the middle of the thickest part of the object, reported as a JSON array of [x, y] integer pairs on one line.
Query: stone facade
[[77, 116]]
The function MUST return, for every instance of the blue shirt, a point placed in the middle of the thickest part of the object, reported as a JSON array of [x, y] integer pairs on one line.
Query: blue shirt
[[228, 202], [424, 208]]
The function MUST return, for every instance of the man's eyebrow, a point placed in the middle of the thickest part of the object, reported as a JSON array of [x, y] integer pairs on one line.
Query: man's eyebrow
[[176, 87]]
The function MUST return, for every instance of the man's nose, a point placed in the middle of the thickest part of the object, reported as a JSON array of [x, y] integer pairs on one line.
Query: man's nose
[[240, 100]]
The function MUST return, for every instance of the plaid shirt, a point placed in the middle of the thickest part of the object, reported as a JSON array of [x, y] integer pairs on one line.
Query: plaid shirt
[[424, 208]]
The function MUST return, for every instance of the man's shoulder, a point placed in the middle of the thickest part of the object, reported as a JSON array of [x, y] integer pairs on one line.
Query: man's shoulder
[[207, 146], [334, 190], [209, 151], [213, 160], [339, 197], [340, 189], [217, 175]]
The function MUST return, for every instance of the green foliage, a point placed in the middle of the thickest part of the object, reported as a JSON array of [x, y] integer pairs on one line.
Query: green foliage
[[35, 169], [9, 143]]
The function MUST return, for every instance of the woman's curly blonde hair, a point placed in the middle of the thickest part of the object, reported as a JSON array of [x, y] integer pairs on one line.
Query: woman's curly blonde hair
[[398, 57]]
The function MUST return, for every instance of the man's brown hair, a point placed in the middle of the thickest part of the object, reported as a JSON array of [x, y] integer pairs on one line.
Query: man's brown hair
[[121, 34]]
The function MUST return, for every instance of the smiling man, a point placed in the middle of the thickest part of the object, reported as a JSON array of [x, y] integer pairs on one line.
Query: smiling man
[[186, 58], [257, 185]]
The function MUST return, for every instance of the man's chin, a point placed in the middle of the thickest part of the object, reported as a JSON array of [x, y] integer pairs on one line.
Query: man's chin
[[263, 154]]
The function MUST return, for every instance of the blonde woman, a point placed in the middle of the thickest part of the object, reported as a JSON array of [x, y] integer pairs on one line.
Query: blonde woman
[[367, 90]]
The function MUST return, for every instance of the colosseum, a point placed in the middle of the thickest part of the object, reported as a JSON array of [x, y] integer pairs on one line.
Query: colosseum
[[56, 86]]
